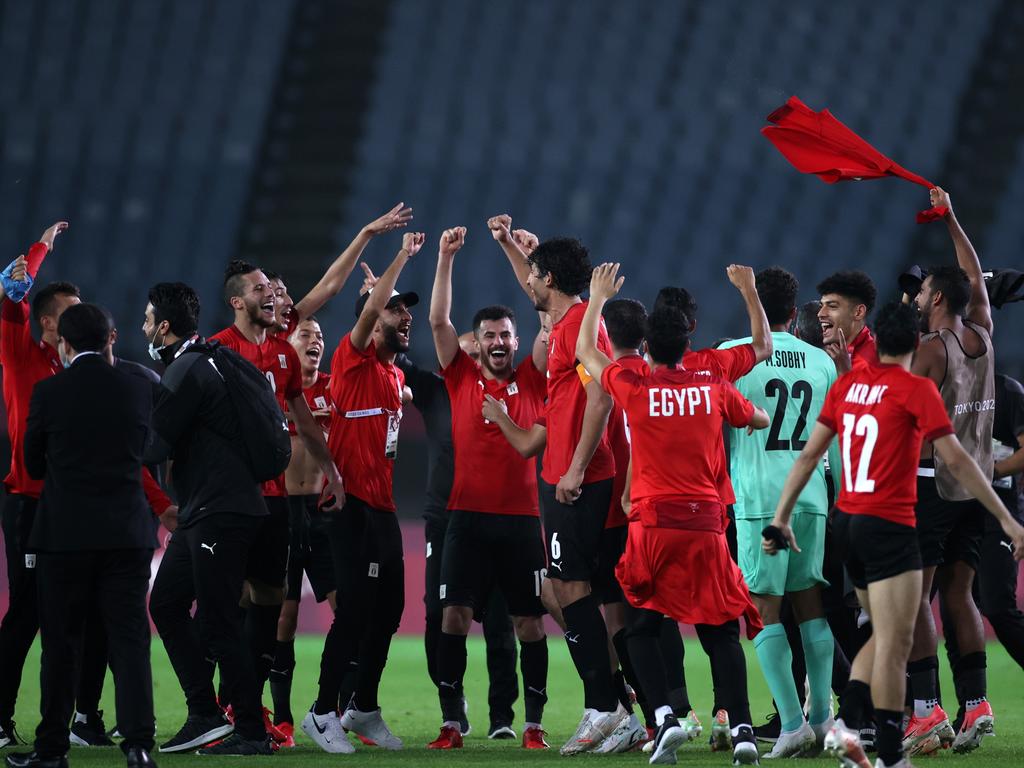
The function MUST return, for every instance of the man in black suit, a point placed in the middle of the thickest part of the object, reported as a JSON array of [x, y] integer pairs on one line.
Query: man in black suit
[[86, 434]]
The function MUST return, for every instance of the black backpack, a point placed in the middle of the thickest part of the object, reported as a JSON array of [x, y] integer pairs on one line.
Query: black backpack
[[266, 443]]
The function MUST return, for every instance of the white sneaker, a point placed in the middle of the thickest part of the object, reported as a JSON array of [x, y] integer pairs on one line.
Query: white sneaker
[[371, 726], [794, 743], [820, 732], [627, 735], [593, 729], [744, 752], [327, 732], [670, 736]]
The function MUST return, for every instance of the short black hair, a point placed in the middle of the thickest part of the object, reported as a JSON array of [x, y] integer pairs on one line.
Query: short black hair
[[808, 324], [272, 275], [567, 260], [85, 327], [680, 298], [178, 304], [851, 284], [954, 284], [233, 284], [777, 289], [668, 334], [625, 320], [45, 299], [896, 329], [493, 312]]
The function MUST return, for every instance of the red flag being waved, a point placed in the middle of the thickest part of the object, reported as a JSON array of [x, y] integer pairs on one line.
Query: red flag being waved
[[818, 143]]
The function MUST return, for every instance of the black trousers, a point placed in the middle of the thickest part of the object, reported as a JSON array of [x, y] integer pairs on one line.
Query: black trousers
[[205, 564], [21, 622], [70, 585]]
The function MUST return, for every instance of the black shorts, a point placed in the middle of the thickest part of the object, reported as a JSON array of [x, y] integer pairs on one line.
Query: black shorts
[[268, 555], [572, 532], [948, 531], [434, 533], [483, 551], [873, 549], [604, 584], [310, 552]]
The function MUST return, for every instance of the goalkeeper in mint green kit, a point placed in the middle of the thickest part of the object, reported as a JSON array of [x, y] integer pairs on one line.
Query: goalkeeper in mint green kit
[[791, 386]]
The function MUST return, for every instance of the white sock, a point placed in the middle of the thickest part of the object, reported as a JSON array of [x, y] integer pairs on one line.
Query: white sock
[[451, 724], [533, 725], [970, 705], [924, 707], [661, 713]]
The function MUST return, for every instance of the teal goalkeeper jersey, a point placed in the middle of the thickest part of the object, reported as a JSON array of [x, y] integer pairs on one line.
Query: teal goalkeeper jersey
[[791, 386]]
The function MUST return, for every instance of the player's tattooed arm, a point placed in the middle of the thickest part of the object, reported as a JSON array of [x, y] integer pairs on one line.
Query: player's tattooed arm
[[446, 338], [334, 278], [528, 442], [978, 309], [801, 472], [760, 332], [363, 329], [501, 231], [966, 470]]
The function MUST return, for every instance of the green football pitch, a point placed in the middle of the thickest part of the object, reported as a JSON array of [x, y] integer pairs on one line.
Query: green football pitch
[[410, 708]]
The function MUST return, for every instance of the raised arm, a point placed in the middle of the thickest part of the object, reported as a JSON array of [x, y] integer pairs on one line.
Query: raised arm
[[760, 332], [604, 284], [334, 278], [446, 338], [978, 309], [528, 442], [381, 294], [501, 232]]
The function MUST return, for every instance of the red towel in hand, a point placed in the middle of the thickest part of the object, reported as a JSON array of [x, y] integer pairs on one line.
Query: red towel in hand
[[818, 143]]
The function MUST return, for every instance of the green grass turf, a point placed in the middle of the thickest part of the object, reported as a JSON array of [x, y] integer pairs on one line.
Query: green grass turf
[[410, 708]]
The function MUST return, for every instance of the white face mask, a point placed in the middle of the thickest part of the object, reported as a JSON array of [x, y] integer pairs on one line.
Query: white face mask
[[154, 351], [63, 355]]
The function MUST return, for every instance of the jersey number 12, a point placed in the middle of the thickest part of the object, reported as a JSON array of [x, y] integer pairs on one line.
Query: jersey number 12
[[867, 427]]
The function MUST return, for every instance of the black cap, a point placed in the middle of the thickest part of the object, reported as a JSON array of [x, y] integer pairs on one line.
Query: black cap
[[410, 299], [912, 280]]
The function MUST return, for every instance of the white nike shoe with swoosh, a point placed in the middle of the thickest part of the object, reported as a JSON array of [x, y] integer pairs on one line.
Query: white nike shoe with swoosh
[[327, 732]]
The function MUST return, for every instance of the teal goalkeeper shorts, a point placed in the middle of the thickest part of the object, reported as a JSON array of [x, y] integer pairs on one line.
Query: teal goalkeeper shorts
[[785, 571]]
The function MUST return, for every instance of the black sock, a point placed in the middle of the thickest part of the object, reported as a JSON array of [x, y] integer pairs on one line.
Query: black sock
[[621, 691], [673, 654], [923, 679], [348, 686], [969, 675], [533, 662], [621, 644], [587, 639], [281, 681], [431, 633], [889, 737], [855, 704], [451, 667], [261, 632]]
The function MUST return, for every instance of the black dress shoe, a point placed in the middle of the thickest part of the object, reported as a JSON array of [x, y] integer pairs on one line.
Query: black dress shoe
[[139, 758], [32, 760]]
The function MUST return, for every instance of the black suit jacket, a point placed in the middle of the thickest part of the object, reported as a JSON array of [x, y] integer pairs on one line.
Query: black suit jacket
[[86, 432]]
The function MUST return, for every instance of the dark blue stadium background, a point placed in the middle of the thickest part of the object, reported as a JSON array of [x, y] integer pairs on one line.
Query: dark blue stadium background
[[175, 135]]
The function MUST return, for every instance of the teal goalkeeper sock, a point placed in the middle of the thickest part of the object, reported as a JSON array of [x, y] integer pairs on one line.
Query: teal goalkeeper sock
[[776, 659], [819, 646]]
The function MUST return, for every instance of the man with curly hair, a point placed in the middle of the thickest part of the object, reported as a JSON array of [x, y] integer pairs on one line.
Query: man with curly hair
[[847, 299]]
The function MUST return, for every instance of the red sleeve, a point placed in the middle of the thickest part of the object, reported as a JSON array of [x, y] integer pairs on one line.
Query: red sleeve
[[158, 500], [293, 388], [528, 371], [620, 383], [348, 357], [736, 409], [15, 332], [458, 367], [736, 361], [35, 257], [827, 416], [929, 411], [542, 421]]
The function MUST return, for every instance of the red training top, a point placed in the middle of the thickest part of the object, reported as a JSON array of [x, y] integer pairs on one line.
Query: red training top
[[882, 413], [368, 404], [567, 400], [618, 438], [318, 398], [279, 362], [490, 475], [862, 349]]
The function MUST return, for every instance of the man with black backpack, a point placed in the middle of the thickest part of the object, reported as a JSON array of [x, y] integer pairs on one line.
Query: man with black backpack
[[202, 420]]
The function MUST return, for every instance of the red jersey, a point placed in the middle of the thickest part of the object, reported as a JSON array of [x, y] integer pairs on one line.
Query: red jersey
[[675, 421], [318, 398], [279, 362], [862, 349], [26, 361], [364, 426], [490, 475], [567, 400], [618, 438], [882, 413]]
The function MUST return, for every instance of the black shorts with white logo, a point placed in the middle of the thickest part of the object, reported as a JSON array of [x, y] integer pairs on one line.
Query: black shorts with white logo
[[572, 532], [310, 551], [268, 556], [483, 551], [948, 531], [873, 549], [433, 534], [604, 583]]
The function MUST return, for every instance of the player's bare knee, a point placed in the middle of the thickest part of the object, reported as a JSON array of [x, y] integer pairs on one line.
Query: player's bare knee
[[457, 619], [568, 592], [529, 629], [769, 606]]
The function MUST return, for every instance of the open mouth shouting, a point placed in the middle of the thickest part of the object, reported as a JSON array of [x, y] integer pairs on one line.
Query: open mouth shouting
[[403, 332], [498, 356]]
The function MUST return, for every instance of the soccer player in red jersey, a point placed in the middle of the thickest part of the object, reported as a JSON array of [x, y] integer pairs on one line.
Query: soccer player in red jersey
[[247, 291], [309, 551], [493, 535], [366, 541], [847, 299], [25, 361], [882, 414], [577, 473], [674, 417]]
